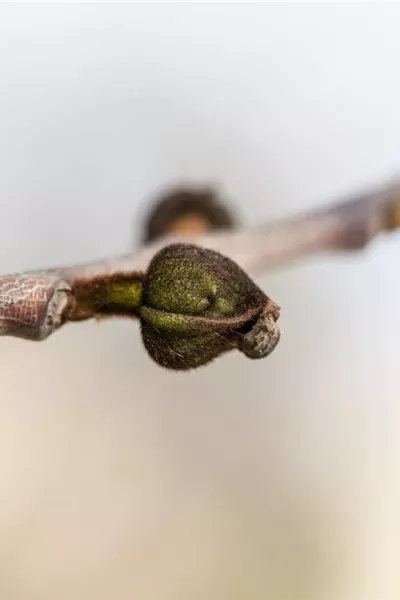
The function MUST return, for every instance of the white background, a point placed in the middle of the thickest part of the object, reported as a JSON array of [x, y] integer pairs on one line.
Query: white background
[[254, 480]]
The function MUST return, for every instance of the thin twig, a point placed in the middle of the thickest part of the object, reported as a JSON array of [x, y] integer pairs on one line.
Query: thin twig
[[34, 304]]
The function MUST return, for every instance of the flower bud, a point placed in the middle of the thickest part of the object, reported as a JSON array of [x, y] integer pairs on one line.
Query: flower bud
[[188, 210], [198, 304]]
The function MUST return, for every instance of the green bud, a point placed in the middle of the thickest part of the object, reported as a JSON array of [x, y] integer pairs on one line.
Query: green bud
[[197, 304]]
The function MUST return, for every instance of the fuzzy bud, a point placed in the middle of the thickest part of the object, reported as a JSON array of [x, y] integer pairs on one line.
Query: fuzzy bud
[[198, 304]]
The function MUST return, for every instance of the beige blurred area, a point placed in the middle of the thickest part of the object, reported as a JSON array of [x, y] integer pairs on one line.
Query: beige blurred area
[[247, 480]]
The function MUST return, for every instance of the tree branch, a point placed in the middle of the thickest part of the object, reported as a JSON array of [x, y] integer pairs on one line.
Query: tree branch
[[34, 304]]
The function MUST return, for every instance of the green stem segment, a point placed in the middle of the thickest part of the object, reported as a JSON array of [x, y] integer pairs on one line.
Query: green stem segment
[[117, 294]]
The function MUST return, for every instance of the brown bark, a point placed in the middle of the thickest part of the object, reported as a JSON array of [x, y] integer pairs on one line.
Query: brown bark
[[34, 304]]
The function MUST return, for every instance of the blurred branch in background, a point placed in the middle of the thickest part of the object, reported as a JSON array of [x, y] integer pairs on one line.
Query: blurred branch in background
[[34, 304]]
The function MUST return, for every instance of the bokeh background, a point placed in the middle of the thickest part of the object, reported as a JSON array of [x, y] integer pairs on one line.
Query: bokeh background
[[270, 480]]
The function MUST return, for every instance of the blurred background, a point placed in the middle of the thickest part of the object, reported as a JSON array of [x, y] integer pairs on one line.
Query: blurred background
[[254, 480]]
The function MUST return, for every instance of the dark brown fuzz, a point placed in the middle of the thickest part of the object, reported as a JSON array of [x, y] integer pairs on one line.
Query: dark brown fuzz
[[184, 209]]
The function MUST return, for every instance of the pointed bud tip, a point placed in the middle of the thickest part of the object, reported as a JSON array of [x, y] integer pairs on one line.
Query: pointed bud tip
[[264, 335]]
